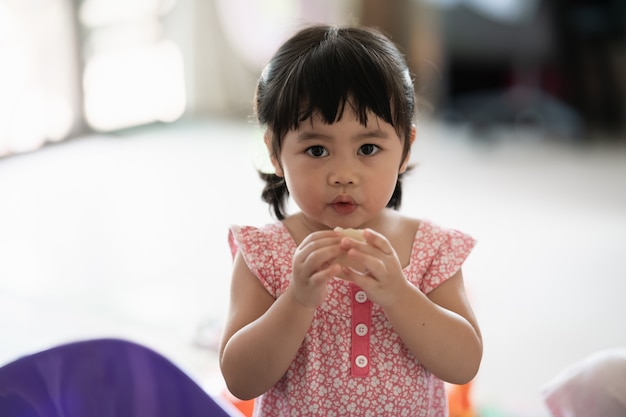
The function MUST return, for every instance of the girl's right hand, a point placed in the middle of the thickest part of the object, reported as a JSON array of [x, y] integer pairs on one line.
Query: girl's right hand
[[313, 267]]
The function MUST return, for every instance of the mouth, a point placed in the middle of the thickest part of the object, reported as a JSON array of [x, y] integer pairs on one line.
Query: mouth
[[344, 205]]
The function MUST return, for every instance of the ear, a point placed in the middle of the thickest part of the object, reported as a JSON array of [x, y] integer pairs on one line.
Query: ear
[[267, 138], [405, 163]]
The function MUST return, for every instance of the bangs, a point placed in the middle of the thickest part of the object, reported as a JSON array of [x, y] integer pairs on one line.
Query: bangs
[[342, 68]]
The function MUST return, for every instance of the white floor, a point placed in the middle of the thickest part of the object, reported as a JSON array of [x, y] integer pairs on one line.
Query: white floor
[[126, 236]]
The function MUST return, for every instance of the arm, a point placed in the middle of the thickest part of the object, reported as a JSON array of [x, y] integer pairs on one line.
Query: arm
[[263, 335], [439, 329]]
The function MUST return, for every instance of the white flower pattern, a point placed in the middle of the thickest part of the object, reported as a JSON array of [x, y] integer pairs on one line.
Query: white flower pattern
[[319, 382]]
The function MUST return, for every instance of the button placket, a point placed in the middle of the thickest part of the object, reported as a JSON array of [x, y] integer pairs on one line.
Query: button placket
[[361, 324]]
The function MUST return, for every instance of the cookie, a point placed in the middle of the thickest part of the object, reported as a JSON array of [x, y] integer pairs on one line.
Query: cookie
[[356, 234]]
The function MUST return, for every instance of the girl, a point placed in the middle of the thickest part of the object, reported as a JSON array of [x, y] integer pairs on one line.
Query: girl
[[321, 323]]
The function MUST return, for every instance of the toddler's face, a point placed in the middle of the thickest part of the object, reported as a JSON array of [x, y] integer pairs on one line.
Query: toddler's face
[[341, 174]]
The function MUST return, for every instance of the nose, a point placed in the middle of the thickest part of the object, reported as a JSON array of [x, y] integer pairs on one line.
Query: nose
[[343, 173]]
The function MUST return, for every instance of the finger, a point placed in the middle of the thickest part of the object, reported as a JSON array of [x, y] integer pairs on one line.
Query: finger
[[378, 241], [362, 279], [318, 240], [374, 242], [324, 256], [322, 234], [318, 252], [366, 263], [349, 243], [325, 274]]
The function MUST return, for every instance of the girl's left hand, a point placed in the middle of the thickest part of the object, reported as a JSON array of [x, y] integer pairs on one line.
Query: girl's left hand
[[382, 279]]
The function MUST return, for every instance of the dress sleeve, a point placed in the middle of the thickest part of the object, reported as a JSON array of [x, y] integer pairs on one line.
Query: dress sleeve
[[252, 243], [452, 250]]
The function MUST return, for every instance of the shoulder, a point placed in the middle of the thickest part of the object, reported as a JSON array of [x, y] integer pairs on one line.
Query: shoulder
[[432, 233], [410, 229], [266, 251], [437, 254], [252, 238]]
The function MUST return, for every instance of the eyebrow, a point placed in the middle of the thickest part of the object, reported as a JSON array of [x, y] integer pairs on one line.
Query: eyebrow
[[374, 134], [305, 136]]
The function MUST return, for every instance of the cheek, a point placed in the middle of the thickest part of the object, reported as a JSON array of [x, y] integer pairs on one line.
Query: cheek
[[304, 186], [304, 194], [300, 184], [382, 185]]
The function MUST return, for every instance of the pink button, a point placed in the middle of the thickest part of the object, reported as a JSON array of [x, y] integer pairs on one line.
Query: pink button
[[360, 297], [361, 361], [361, 329]]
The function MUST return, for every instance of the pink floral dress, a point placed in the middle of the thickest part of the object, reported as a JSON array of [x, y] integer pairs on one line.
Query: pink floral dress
[[352, 362]]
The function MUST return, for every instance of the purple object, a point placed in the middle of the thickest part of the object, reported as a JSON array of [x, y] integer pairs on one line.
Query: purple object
[[101, 378]]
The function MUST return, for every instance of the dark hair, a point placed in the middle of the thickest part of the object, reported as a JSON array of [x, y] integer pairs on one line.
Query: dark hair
[[318, 71]]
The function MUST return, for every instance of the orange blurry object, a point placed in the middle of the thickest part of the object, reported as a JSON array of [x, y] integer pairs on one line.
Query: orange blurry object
[[460, 402], [246, 407]]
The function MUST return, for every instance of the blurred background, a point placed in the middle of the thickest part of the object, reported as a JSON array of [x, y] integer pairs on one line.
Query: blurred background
[[128, 146]]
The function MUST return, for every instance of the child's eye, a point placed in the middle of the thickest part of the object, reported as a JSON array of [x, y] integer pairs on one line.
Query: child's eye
[[369, 149], [317, 151]]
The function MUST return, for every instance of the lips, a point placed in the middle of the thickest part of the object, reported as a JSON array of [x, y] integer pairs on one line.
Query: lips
[[344, 205]]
